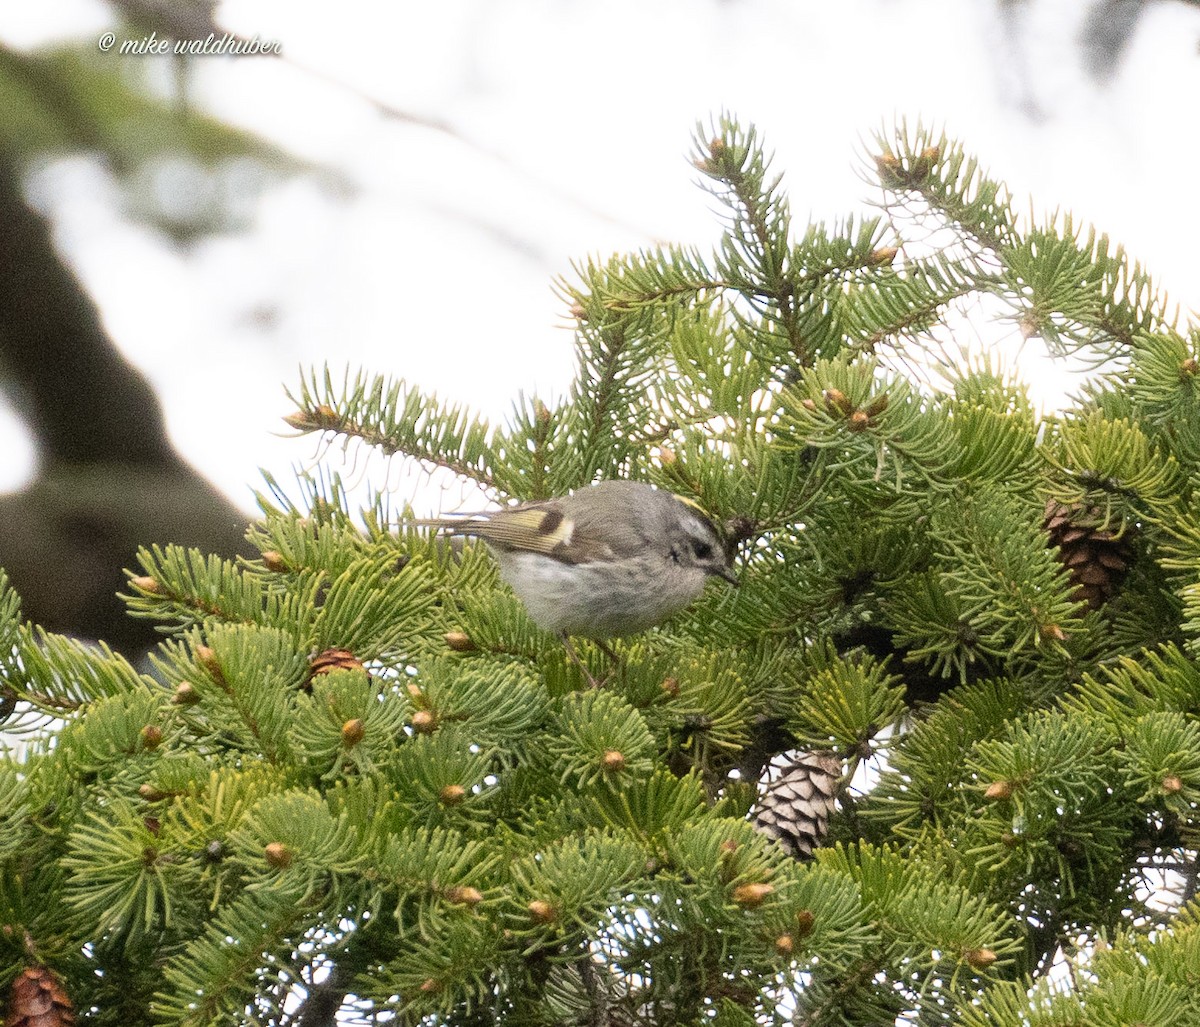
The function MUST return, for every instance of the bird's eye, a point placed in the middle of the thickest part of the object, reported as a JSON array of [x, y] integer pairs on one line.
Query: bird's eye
[[702, 550]]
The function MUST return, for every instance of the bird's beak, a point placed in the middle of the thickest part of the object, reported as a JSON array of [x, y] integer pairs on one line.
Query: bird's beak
[[727, 574]]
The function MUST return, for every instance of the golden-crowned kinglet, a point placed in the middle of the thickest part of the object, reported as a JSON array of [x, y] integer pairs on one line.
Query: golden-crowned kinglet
[[611, 559]]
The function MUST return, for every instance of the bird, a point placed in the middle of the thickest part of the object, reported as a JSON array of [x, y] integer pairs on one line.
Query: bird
[[609, 560]]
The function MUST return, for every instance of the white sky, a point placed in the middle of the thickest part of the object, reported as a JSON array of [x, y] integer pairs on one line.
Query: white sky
[[437, 265]]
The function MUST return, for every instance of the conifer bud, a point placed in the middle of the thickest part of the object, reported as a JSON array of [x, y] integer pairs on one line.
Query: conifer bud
[[1189, 369], [424, 722], [671, 687], [208, 660], [666, 456], [809, 405], [878, 405], [145, 583], [452, 795], [414, 692], [150, 793], [931, 154], [464, 896], [785, 944], [353, 732], [1052, 632], [1009, 840], [751, 896], [999, 790], [152, 736], [431, 985], [882, 255], [334, 659], [459, 641], [1172, 783], [980, 959], [278, 855], [214, 851], [891, 171], [859, 421], [185, 694], [273, 561], [542, 912], [613, 761], [578, 312], [835, 399], [804, 923]]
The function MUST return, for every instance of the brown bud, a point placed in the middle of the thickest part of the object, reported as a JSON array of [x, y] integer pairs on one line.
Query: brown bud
[[452, 795], [464, 896], [878, 405], [666, 456], [430, 985], [613, 761], [150, 793], [414, 692], [325, 414], [185, 694], [809, 405], [208, 660], [334, 659], [931, 154], [298, 420], [1053, 632], [859, 421], [882, 255], [1171, 784], [836, 399], [1189, 368], [424, 722], [542, 912], [716, 147], [999, 790], [751, 896], [1009, 840], [278, 855], [273, 561], [804, 923], [728, 847], [784, 944], [578, 312], [980, 959], [145, 583], [152, 736], [885, 162], [153, 825], [542, 412], [352, 732], [459, 641], [670, 686]]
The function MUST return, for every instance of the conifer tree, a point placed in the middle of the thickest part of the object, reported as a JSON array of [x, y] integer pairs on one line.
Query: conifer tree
[[360, 786]]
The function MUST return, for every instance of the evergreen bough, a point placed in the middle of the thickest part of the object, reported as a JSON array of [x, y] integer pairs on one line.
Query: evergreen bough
[[359, 783]]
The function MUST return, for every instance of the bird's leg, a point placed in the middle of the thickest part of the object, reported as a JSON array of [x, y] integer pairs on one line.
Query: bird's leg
[[575, 659]]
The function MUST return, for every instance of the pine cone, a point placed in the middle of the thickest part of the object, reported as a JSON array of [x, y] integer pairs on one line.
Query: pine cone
[[1095, 557], [36, 999], [797, 793]]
